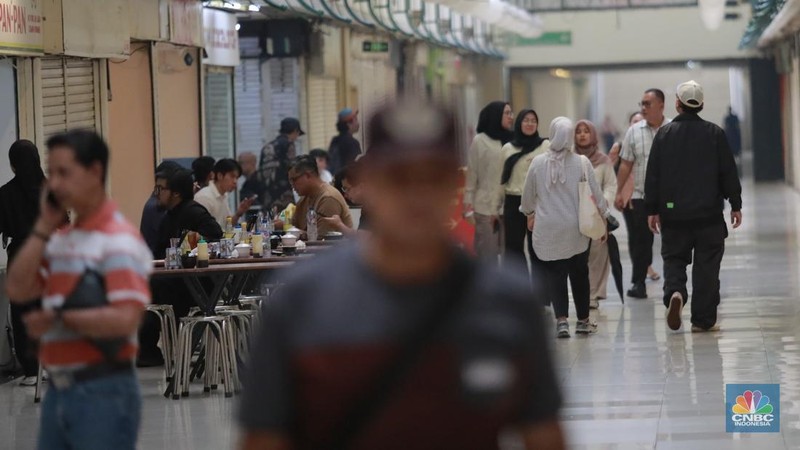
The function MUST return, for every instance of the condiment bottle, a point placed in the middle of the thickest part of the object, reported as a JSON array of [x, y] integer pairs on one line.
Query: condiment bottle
[[229, 227], [202, 253]]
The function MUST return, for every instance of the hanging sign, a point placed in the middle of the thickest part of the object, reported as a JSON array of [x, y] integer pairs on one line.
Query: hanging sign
[[21, 27], [375, 46], [221, 38], [186, 22]]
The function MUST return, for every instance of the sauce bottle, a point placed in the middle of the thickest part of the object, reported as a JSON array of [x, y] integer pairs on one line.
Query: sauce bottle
[[202, 253]]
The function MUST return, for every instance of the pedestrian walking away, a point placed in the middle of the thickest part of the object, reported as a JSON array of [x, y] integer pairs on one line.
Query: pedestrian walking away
[[634, 155], [586, 144], [92, 277], [691, 172], [517, 157], [483, 196], [550, 200]]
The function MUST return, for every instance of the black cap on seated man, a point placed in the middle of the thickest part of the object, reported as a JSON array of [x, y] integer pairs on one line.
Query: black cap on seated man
[[393, 349]]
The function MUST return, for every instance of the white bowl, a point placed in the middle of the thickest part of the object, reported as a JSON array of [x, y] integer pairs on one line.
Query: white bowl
[[243, 250]]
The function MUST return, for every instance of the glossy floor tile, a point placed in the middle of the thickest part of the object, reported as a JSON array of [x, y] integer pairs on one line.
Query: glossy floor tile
[[632, 385]]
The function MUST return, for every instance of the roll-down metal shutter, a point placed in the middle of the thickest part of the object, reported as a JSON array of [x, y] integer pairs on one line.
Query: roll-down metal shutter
[[70, 92], [284, 95], [219, 114], [322, 102], [250, 136]]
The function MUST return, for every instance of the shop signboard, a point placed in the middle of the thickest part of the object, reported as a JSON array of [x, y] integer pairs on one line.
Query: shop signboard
[[21, 27], [221, 38], [186, 22]]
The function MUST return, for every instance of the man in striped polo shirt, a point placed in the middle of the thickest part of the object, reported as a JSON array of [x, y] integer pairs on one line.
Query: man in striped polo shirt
[[92, 276]]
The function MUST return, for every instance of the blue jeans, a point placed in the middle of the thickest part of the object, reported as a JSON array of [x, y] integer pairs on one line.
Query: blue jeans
[[99, 414]]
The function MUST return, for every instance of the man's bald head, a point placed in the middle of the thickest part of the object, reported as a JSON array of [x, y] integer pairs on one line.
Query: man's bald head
[[248, 162]]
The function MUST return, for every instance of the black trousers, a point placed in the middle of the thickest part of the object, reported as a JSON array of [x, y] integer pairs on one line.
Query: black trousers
[[515, 226], [550, 283], [703, 247], [640, 240], [24, 346]]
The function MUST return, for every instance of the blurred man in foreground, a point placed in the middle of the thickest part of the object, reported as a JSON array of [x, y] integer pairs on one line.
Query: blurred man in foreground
[[92, 278], [411, 344]]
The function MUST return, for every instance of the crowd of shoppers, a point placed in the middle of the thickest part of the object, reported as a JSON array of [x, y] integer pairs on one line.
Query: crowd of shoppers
[[416, 370]]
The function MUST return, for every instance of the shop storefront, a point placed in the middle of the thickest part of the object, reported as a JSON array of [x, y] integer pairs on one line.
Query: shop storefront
[[222, 57]]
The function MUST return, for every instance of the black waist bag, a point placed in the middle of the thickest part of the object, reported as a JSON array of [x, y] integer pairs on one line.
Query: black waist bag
[[90, 292]]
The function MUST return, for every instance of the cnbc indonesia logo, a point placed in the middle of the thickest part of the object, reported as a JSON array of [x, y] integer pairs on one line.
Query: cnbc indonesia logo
[[753, 409]]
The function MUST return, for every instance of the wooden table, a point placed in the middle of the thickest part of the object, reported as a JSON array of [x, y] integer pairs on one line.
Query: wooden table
[[233, 274]]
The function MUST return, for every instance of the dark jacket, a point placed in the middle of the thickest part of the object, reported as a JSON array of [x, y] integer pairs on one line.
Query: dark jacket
[[191, 216], [343, 151], [273, 173], [691, 171], [152, 216]]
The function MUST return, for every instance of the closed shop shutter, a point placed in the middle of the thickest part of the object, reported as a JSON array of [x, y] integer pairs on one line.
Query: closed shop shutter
[[70, 94], [322, 102], [250, 135], [377, 84], [284, 94], [219, 114]]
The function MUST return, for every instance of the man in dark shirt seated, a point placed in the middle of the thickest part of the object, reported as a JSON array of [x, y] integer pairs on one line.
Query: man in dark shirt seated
[[152, 213], [175, 192]]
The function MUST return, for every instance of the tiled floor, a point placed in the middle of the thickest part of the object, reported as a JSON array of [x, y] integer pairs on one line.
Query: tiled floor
[[633, 385]]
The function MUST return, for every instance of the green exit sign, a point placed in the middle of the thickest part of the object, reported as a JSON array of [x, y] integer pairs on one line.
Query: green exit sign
[[375, 47], [548, 38]]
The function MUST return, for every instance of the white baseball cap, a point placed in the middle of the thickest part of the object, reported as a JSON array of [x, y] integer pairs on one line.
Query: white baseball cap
[[691, 94]]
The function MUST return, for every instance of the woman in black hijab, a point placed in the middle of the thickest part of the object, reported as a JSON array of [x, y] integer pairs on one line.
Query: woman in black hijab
[[517, 156], [495, 122], [482, 193], [19, 208]]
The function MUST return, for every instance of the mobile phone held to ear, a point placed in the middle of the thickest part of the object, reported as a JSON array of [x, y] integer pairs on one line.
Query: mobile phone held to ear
[[53, 201]]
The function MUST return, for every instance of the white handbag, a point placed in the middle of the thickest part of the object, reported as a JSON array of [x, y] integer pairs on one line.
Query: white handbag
[[590, 222]]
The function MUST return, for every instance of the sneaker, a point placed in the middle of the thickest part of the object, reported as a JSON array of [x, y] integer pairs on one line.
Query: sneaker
[[28, 381], [562, 329], [674, 311], [638, 291], [583, 327], [696, 329], [594, 304]]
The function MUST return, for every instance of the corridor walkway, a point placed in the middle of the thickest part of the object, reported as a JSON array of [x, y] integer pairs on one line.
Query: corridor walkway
[[636, 384], [633, 385]]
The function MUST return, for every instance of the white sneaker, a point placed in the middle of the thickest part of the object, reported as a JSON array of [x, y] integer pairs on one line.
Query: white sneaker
[[28, 381], [674, 311]]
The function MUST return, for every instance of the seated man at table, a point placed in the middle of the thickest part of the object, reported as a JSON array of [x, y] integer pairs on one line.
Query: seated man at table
[[215, 196], [175, 193], [349, 179], [317, 194]]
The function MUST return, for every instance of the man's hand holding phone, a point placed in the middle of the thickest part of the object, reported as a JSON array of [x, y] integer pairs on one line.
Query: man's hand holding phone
[[51, 213]]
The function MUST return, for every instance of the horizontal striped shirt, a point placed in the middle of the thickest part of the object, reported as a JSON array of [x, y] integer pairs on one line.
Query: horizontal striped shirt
[[110, 246]]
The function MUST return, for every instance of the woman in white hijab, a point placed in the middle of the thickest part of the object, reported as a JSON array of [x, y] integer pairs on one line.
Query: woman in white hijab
[[550, 200]]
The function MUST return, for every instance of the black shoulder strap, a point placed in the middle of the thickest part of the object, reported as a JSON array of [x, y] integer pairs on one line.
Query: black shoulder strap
[[413, 346]]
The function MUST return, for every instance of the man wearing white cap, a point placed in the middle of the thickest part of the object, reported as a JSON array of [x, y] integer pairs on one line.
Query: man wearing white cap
[[690, 173]]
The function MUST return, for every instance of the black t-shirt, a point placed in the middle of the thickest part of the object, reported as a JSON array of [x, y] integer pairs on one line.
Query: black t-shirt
[[343, 151], [336, 323], [191, 216]]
